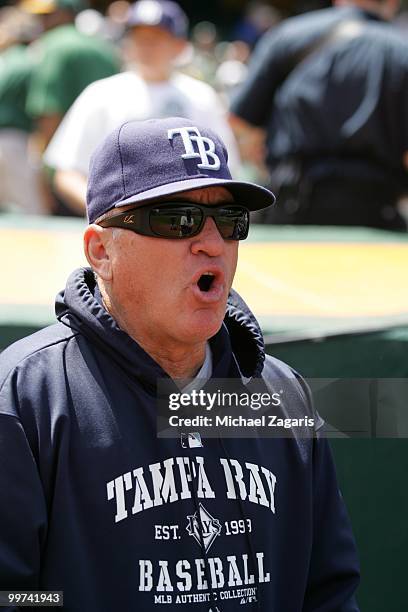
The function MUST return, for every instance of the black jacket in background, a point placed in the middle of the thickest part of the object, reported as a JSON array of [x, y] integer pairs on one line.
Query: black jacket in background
[[340, 100]]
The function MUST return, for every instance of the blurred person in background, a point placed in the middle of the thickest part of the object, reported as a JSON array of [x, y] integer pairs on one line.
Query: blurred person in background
[[66, 61], [257, 19], [229, 76], [153, 87], [203, 63], [233, 66], [330, 90], [115, 20], [19, 169]]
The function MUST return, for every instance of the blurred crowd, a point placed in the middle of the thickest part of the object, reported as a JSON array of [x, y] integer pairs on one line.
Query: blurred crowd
[[70, 74], [52, 50]]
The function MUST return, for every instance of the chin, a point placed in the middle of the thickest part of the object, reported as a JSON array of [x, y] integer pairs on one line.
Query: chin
[[203, 326]]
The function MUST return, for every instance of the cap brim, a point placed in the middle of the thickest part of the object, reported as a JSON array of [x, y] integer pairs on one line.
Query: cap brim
[[253, 196]]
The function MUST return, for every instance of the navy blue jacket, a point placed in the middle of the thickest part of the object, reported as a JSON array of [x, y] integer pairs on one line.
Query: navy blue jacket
[[94, 504]]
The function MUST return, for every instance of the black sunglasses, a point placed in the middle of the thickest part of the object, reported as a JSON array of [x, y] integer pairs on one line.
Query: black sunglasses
[[182, 220]]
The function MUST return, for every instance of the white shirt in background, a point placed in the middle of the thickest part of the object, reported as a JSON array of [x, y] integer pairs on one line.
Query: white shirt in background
[[107, 103]]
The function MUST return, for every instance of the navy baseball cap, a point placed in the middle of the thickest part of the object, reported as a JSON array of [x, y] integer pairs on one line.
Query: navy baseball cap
[[145, 160], [161, 13]]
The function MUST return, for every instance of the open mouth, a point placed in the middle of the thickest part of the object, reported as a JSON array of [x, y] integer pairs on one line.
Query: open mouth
[[205, 281]]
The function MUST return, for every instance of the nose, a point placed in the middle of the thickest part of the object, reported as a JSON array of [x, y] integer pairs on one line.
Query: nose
[[209, 240]]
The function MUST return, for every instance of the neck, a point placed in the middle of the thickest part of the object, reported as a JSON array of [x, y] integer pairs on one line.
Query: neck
[[178, 364], [154, 75]]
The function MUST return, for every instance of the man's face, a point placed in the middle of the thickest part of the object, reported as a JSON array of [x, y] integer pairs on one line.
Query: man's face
[[155, 280], [153, 48]]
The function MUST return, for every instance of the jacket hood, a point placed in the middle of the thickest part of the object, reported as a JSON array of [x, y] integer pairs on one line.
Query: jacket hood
[[80, 307]]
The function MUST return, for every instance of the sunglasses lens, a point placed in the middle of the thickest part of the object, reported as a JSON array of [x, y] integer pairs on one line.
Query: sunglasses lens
[[182, 221], [232, 222], [175, 222]]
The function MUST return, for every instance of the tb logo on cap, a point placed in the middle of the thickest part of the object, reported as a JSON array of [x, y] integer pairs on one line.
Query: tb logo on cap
[[206, 147]]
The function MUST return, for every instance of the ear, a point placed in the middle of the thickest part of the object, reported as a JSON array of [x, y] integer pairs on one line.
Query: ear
[[96, 248]]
